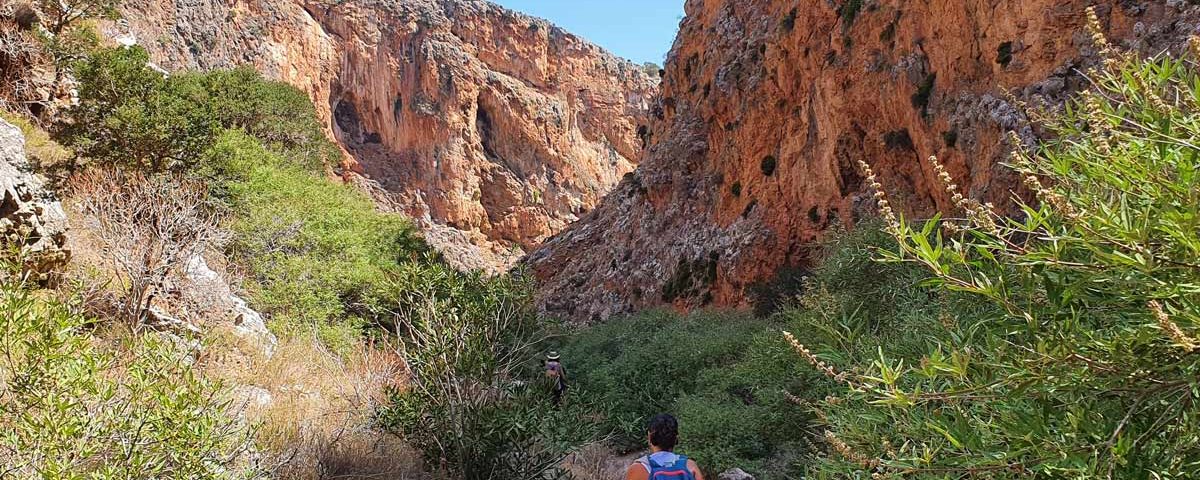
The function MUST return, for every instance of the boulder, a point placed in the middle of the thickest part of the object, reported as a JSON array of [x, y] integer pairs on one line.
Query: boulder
[[735, 474], [31, 218], [211, 294]]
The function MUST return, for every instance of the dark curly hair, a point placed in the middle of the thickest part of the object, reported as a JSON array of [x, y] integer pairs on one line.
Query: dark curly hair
[[664, 431]]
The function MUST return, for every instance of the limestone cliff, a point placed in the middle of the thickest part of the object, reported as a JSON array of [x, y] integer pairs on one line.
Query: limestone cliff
[[766, 107], [31, 217], [493, 129]]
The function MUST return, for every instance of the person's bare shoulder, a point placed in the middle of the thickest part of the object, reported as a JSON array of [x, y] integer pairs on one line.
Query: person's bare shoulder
[[695, 469], [637, 472]]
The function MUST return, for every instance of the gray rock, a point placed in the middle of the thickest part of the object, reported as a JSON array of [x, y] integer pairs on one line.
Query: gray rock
[[212, 293], [251, 396], [30, 215], [735, 474], [162, 321]]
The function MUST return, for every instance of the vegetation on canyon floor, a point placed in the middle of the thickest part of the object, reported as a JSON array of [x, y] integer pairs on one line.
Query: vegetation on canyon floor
[[1056, 343]]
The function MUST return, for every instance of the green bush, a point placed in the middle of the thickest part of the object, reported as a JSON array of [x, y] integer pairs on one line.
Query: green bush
[[278, 114], [70, 409], [471, 407], [1062, 342], [129, 114], [923, 95], [849, 12], [318, 253], [727, 377]]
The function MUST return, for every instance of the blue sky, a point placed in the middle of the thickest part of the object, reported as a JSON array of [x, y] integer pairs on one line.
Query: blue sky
[[640, 30]]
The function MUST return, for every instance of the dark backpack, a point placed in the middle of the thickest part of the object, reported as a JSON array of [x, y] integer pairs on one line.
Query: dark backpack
[[677, 471]]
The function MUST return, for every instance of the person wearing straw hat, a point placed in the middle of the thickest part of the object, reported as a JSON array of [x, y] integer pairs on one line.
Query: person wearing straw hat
[[557, 375]]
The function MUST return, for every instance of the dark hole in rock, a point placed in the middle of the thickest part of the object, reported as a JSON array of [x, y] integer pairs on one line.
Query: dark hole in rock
[[768, 165], [346, 117], [1004, 54], [899, 140]]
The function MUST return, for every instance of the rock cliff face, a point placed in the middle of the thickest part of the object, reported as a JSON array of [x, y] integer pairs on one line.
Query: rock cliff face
[[31, 218], [493, 129], [766, 107]]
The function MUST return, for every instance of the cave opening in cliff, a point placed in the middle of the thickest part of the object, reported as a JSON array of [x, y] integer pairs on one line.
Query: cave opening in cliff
[[346, 118], [483, 126]]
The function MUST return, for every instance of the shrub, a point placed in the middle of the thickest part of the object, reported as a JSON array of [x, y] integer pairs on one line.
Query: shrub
[[278, 114], [788, 22], [725, 375], [470, 405], [71, 409], [59, 15], [131, 114], [950, 138], [316, 251], [148, 228], [1004, 54], [849, 12], [768, 164], [924, 93], [1071, 354]]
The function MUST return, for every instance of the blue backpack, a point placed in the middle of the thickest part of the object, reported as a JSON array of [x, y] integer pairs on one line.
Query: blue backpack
[[677, 471]]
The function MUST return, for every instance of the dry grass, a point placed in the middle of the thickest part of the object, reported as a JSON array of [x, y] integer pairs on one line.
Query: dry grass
[[598, 462], [47, 156], [317, 424], [312, 407]]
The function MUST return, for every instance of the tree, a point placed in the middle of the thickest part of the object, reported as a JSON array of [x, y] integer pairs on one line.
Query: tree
[[148, 227], [60, 15], [128, 114]]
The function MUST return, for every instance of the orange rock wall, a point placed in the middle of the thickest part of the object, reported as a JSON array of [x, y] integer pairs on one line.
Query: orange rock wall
[[766, 107], [492, 129]]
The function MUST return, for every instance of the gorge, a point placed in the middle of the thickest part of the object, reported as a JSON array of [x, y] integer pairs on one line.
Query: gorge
[[497, 131], [491, 129], [835, 239]]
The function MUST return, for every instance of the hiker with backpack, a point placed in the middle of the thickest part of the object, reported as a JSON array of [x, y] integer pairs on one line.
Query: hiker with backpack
[[662, 463], [557, 374]]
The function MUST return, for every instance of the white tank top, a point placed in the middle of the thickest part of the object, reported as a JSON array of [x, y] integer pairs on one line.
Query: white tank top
[[661, 458]]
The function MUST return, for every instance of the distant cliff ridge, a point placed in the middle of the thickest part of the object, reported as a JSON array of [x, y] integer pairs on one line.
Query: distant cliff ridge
[[491, 128], [766, 107]]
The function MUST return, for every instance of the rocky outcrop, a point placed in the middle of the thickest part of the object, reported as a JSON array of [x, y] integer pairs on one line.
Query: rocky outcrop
[[493, 129], [766, 107], [31, 218], [735, 474], [207, 295]]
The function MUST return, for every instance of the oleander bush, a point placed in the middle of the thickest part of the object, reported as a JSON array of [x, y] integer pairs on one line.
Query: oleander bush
[[474, 406], [727, 376], [1057, 343], [75, 405]]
